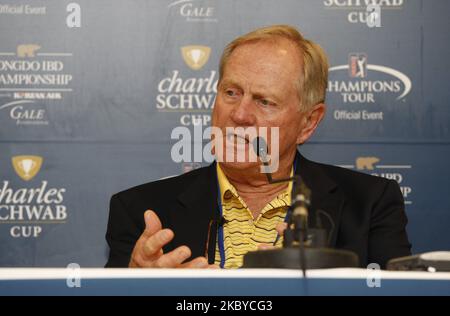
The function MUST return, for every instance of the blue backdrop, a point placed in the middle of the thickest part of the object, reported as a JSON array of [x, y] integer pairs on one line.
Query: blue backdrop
[[91, 90]]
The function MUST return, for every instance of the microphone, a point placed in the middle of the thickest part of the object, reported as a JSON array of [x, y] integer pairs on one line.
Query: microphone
[[260, 148], [301, 202], [302, 194], [297, 212], [310, 250]]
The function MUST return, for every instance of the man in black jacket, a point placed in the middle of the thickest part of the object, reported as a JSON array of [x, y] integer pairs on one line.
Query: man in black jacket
[[274, 78]]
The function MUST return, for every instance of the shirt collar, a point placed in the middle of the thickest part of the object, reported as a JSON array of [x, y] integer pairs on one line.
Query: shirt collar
[[226, 188]]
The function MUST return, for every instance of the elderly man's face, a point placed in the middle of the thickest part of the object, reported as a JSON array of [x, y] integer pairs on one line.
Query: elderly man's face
[[258, 89]]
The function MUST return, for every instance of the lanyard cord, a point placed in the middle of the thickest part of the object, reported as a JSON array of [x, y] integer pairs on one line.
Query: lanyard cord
[[220, 227]]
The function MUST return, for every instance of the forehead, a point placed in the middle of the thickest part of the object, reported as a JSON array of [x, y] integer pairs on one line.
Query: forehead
[[271, 62]]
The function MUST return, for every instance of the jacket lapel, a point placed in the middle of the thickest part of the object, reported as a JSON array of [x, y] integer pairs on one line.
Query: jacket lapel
[[327, 200], [198, 210]]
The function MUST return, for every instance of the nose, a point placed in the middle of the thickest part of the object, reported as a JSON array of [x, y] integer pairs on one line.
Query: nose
[[243, 113]]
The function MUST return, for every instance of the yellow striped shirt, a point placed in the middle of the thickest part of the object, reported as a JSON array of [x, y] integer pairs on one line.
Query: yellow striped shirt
[[242, 233]]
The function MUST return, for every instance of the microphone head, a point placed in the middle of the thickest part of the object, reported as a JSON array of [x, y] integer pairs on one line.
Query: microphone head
[[260, 146]]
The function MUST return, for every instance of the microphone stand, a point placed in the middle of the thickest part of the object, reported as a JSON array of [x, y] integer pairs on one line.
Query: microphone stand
[[303, 248]]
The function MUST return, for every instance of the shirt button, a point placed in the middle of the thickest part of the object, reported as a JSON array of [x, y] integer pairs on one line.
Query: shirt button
[[227, 195], [250, 222]]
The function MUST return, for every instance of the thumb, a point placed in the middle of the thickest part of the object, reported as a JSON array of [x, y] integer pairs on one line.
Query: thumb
[[152, 223], [281, 228]]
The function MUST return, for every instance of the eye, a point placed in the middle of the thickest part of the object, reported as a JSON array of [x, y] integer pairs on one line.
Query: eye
[[230, 92], [265, 102]]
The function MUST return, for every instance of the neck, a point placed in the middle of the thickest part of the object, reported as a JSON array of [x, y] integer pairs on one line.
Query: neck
[[253, 186], [253, 181]]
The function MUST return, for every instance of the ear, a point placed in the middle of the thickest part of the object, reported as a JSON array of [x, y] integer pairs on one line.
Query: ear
[[310, 120]]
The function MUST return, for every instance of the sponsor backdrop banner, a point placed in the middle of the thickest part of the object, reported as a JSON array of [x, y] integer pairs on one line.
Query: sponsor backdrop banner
[[90, 92]]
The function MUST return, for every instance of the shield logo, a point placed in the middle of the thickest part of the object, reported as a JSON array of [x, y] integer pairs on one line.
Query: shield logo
[[195, 56], [27, 167], [358, 65]]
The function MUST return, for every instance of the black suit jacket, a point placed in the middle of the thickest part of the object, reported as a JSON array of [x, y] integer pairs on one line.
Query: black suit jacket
[[366, 213]]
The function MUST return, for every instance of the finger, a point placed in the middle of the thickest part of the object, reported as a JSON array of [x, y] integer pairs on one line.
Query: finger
[[197, 263], [152, 224], [281, 227], [153, 245], [265, 247], [174, 258]]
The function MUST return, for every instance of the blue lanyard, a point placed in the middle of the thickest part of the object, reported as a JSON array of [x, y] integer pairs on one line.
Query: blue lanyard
[[220, 229]]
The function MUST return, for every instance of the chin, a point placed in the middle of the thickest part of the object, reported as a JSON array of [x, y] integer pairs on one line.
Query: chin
[[239, 165]]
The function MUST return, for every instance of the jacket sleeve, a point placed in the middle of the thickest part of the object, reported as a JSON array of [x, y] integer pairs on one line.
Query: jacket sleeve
[[387, 235], [121, 235]]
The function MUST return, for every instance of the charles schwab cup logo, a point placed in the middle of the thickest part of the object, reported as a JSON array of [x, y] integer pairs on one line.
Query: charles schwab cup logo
[[29, 75], [27, 167], [194, 10], [375, 166], [360, 82], [34, 205], [195, 56], [190, 90]]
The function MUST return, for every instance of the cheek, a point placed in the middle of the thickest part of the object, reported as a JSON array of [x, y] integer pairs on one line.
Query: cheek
[[290, 131], [220, 113], [216, 113], [287, 138]]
